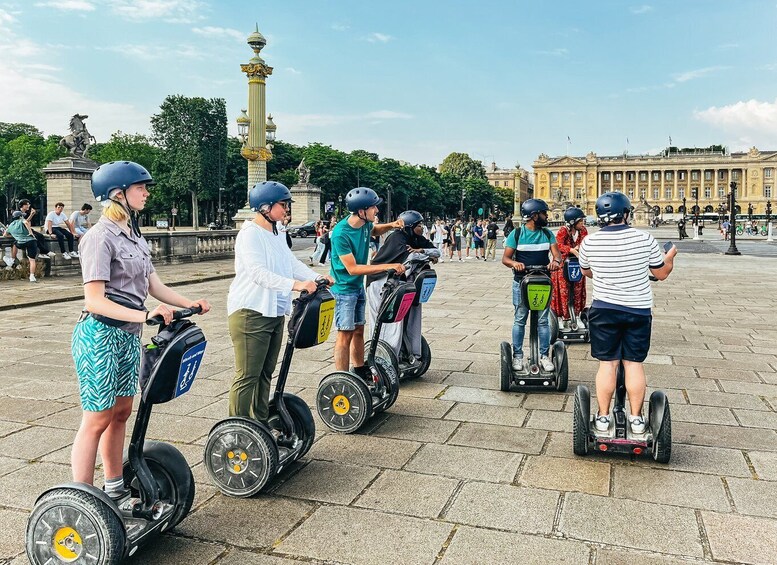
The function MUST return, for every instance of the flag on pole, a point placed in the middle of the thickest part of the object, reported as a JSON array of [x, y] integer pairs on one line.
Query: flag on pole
[[569, 140], [670, 140]]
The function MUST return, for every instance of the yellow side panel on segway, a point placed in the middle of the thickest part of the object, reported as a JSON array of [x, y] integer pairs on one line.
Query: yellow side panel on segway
[[538, 295], [326, 315]]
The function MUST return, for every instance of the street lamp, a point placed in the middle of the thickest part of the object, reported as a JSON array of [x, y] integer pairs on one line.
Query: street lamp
[[732, 250], [271, 129], [243, 122]]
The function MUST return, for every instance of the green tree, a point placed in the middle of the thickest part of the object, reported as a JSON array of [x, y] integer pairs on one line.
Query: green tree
[[127, 147], [462, 166]]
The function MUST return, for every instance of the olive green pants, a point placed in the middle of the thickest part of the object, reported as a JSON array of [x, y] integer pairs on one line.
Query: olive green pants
[[257, 343]]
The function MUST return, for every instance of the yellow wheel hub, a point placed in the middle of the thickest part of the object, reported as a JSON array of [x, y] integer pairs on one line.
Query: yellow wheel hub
[[67, 544], [341, 405], [237, 459]]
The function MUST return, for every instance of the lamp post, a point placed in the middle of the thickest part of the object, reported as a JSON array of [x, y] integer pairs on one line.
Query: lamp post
[[252, 127], [461, 209], [769, 236], [732, 250]]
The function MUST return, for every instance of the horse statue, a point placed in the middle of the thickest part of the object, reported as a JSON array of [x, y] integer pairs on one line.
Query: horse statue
[[79, 139]]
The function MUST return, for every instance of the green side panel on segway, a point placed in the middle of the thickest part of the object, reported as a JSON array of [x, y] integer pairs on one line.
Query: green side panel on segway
[[538, 295]]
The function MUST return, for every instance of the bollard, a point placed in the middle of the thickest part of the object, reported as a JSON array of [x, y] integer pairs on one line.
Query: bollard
[[769, 233], [696, 232]]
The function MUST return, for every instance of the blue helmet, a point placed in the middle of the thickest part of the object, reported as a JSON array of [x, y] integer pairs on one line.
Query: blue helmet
[[572, 215], [612, 206], [18, 214], [532, 206], [117, 174], [411, 218], [267, 193], [361, 198]]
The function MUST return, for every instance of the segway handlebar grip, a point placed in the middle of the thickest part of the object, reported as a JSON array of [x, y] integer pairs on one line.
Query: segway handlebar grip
[[177, 315], [534, 268], [391, 273]]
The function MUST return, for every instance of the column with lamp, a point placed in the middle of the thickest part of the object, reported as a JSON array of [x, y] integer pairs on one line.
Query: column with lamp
[[696, 228], [732, 249], [769, 236]]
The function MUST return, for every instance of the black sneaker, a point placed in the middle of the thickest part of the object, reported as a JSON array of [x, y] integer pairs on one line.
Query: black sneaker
[[365, 373]]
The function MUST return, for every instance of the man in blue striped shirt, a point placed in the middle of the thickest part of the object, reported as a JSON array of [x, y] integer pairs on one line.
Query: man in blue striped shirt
[[530, 244], [619, 259]]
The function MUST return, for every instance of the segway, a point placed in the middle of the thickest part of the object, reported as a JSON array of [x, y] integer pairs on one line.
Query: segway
[[344, 400], [425, 279], [242, 454], [656, 441], [79, 523], [535, 292], [577, 331]]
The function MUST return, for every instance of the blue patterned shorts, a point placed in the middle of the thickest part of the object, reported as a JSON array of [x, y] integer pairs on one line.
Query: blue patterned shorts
[[107, 363]]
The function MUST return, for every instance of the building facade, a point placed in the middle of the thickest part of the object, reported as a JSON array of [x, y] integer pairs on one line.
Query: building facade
[[660, 181], [519, 180]]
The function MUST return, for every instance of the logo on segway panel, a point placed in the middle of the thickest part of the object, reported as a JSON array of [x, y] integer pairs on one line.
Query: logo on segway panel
[[326, 315], [190, 364], [427, 287], [574, 274], [538, 295]]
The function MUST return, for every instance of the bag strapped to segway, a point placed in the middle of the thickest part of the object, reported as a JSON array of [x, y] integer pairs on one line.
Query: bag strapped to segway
[[178, 350], [311, 318], [397, 298]]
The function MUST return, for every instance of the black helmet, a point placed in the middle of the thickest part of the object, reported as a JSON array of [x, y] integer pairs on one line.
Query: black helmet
[[612, 206], [411, 219], [572, 215], [18, 214], [117, 174], [267, 193], [361, 198], [532, 206]]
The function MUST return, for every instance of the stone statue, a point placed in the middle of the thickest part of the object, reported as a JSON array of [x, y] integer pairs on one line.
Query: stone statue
[[304, 172], [559, 195], [79, 139]]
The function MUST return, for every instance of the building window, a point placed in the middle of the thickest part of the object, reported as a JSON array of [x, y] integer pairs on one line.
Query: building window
[[767, 173], [630, 176], [579, 195], [578, 176], [681, 194], [707, 175], [642, 193], [721, 192], [553, 177], [722, 175], [667, 194], [496, 183], [768, 190], [656, 193], [668, 175], [605, 176], [707, 192], [735, 175], [618, 176], [694, 175], [642, 176], [566, 176], [631, 193], [656, 176], [682, 175]]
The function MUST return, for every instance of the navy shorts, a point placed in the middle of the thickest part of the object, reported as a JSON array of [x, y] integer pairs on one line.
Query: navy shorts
[[617, 335]]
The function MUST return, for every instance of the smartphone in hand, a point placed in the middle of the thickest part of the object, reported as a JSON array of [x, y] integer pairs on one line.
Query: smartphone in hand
[[667, 246]]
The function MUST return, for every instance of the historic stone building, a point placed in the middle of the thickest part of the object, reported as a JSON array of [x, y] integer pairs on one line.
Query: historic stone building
[[518, 180], [661, 181]]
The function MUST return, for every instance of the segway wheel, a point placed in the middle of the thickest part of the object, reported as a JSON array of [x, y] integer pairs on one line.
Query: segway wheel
[[387, 370], [304, 425], [343, 402], [173, 476], [553, 324], [423, 366], [241, 457], [70, 525], [561, 360], [505, 362], [662, 441], [581, 413], [384, 351]]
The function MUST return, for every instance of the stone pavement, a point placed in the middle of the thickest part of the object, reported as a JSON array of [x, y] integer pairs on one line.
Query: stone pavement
[[455, 472]]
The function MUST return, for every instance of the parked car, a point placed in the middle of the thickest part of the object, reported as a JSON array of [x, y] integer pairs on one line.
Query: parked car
[[306, 229]]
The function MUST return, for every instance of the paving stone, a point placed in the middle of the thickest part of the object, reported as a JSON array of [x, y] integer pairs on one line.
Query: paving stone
[[416, 429], [405, 540], [12, 533], [246, 558], [757, 419], [466, 463], [472, 546], [703, 414], [484, 414], [765, 464], [42, 390], [755, 498], [473, 380], [7, 428], [727, 400], [263, 520], [413, 494], [631, 524], [34, 442], [179, 429], [755, 389], [621, 557], [544, 401], [9, 464], [741, 538], [364, 450], [730, 436], [487, 436], [505, 507], [172, 550], [20, 488], [421, 389], [724, 375], [412, 406], [559, 473], [328, 482], [478, 396], [552, 421], [28, 410], [690, 490]]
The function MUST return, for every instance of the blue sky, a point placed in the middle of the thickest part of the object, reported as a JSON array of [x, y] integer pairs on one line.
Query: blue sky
[[413, 80]]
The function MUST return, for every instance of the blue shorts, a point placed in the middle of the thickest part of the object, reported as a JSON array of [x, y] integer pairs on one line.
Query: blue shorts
[[349, 310], [107, 363], [617, 335]]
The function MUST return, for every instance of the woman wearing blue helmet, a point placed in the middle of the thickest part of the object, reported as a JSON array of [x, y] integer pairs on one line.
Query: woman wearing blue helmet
[[569, 238]]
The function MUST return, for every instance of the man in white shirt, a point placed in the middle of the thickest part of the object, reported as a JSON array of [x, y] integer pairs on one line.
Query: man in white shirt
[[80, 220], [59, 228]]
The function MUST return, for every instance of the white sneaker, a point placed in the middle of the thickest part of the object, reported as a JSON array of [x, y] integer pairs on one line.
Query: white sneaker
[[74, 254], [66, 255], [637, 424], [32, 278], [602, 423], [52, 254], [546, 364], [517, 363], [43, 256], [461, 260], [469, 257]]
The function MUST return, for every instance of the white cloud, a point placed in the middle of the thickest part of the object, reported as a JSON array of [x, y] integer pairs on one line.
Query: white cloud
[[727, 46], [696, 73], [293, 71], [388, 115], [340, 27], [643, 9], [6, 19], [68, 5], [152, 53], [211, 31], [376, 37], [300, 123], [752, 115], [173, 11], [558, 52]]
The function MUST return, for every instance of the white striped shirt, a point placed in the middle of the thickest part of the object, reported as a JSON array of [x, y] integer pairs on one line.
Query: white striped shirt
[[621, 258]]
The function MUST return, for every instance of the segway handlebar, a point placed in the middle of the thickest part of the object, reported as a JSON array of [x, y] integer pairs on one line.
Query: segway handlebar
[[320, 284], [533, 268], [177, 315]]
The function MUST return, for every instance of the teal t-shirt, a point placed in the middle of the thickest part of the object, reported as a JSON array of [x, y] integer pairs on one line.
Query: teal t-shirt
[[533, 248], [347, 240], [19, 232]]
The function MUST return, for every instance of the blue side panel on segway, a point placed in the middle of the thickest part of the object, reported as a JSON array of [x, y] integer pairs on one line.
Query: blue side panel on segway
[[425, 283], [190, 365], [572, 271]]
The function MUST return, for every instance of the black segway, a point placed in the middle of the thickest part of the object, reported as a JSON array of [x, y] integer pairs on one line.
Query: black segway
[[656, 441], [535, 291], [344, 400], [577, 331], [242, 454], [79, 523], [425, 279]]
